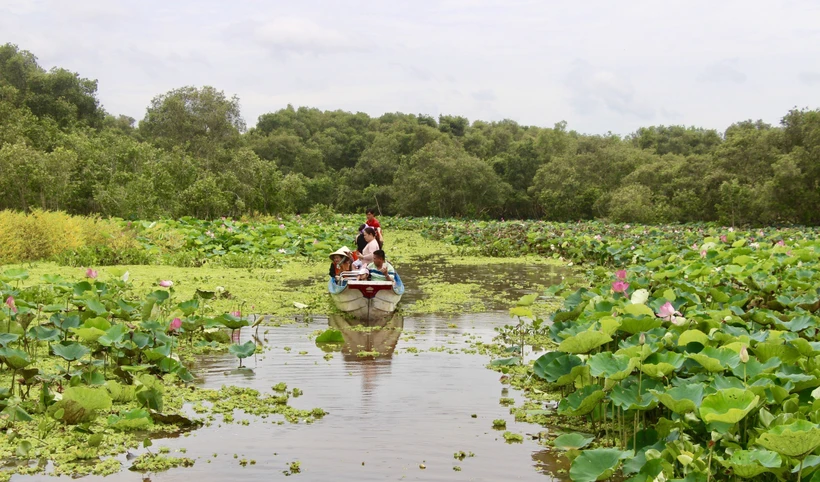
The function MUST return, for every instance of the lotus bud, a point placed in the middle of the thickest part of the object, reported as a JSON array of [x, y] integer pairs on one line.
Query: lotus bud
[[642, 339], [166, 283], [744, 354]]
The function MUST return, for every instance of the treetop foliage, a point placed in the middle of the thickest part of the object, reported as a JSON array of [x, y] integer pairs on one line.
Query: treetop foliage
[[192, 154]]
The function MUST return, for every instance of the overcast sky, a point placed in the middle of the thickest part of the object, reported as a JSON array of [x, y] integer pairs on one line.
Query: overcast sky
[[600, 65]]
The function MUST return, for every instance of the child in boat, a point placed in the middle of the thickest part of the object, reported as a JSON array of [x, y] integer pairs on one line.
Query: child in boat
[[374, 223]]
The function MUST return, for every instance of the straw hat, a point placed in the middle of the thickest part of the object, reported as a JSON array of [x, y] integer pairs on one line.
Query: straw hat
[[341, 252], [347, 251]]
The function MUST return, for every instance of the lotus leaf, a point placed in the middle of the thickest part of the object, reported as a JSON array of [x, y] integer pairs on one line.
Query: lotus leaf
[[330, 335], [793, 440], [751, 463], [121, 393], [572, 441], [527, 300], [628, 398], [785, 352], [244, 350], [553, 365], [596, 464], [42, 333], [611, 366], [189, 307], [639, 309], [682, 399], [150, 398], [728, 406], [231, 322], [505, 362], [136, 419], [582, 401], [6, 338], [716, 359], [80, 404], [659, 365], [89, 335], [584, 342], [521, 312], [113, 335], [95, 306], [690, 336], [15, 359], [639, 324]]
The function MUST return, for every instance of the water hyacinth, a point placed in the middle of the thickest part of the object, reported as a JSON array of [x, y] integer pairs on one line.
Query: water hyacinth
[[620, 286], [166, 283]]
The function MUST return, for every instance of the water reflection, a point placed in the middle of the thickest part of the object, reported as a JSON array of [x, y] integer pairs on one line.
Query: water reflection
[[368, 340]]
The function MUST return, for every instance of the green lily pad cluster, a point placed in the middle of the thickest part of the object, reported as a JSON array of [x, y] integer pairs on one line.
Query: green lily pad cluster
[[93, 358], [700, 359]]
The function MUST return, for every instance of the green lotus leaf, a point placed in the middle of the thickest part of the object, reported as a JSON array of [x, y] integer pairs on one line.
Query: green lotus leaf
[[728, 406], [716, 359], [793, 440], [690, 336], [753, 368], [527, 300], [330, 335], [189, 307], [767, 350], [584, 342], [244, 350], [113, 335], [150, 398], [578, 372], [16, 359], [553, 365], [659, 365], [95, 306], [522, 312], [611, 366], [505, 362], [596, 464], [751, 463], [15, 274], [231, 322], [121, 393], [682, 399], [628, 398], [89, 335], [42, 333], [136, 419], [80, 404], [6, 338], [582, 401], [639, 324], [572, 441], [639, 309]]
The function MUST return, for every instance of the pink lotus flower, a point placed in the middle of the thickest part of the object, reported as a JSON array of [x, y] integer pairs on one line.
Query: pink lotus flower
[[723, 238], [237, 314], [621, 274], [281, 226], [91, 273], [10, 304], [744, 354], [175, 324], [703, 253], [667, 311], [597, 237], [166, 283], [209, 233], [695, 246], [781, 243], [642, 339], [620, 286]]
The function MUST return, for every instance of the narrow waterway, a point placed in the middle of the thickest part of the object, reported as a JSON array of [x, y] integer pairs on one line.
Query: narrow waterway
[[399, 414]]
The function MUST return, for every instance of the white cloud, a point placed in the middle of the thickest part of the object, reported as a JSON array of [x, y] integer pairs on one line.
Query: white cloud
[[301, 36]]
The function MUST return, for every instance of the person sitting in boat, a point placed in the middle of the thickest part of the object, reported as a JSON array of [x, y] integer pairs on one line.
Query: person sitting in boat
[[380, 269], [340, 262], [371, 247], [360, 241]]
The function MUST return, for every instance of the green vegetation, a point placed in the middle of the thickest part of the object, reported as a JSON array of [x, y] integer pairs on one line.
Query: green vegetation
[[693, 353], [193, 155]]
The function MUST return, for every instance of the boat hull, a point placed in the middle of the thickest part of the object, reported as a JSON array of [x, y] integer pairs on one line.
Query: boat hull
[[367, 300]]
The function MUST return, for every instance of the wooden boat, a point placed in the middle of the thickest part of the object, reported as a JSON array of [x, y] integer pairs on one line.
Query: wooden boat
[[366, 300]]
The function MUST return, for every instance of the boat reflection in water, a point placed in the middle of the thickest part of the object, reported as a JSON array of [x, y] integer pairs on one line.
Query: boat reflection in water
[[365, 340]]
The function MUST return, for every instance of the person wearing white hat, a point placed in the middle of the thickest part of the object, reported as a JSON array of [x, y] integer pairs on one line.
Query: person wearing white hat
[[340, 262]]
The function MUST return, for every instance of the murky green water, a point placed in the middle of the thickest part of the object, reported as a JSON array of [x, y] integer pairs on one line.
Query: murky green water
[[411, 405]]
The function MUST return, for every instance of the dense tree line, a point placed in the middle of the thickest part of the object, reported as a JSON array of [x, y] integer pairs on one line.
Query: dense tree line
[[192, 154]]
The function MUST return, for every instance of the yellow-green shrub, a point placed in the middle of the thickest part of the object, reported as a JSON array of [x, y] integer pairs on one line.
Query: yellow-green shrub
[[45, 234]]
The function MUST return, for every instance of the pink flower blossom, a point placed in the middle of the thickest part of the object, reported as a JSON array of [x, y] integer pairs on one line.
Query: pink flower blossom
[[723, 238], [598, 237], [166, 283], [281, 226], [695, 246], [10, 304], [237, 314], [620, 274], [209, 233], [667, 311], [230, 229], [703, 253], [91, 273], [175, 324], [781, 243], [620, 286]]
